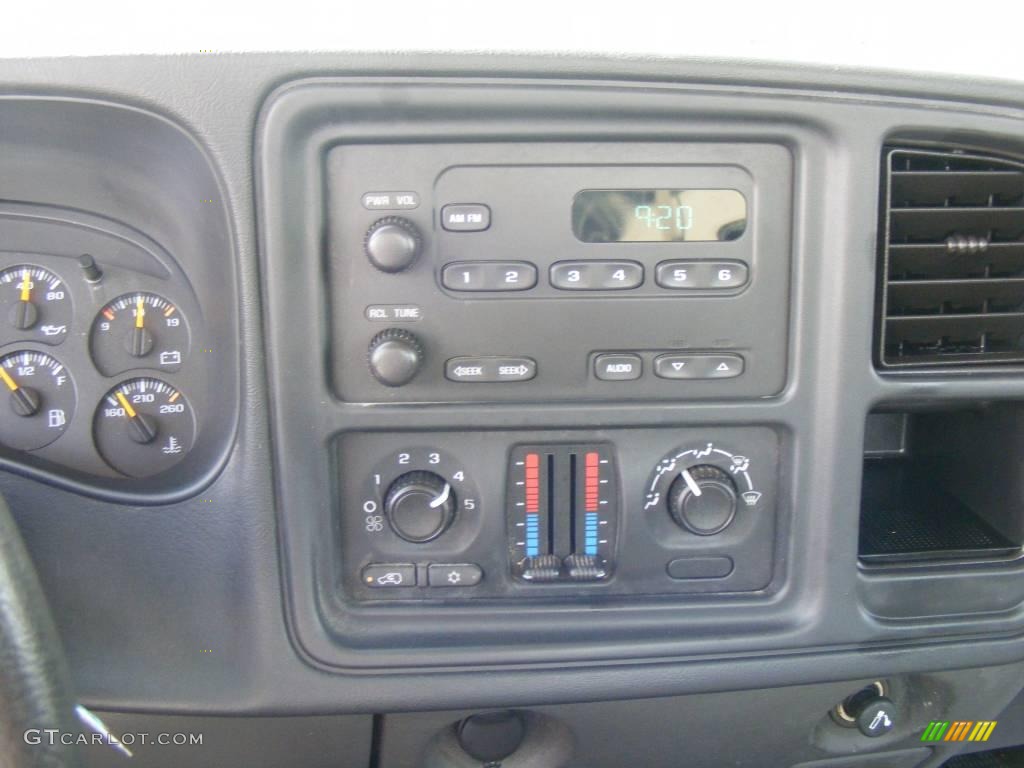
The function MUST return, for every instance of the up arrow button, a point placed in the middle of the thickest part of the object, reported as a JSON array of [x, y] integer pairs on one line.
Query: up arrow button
[[723, 366]]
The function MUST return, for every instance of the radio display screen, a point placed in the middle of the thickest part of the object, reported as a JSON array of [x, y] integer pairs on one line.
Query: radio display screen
[[658, 215]]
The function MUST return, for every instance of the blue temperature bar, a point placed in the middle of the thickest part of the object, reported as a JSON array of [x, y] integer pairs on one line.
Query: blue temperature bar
[[533, 534], [589, 533]]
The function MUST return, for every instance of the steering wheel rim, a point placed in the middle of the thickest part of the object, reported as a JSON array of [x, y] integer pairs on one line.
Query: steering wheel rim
[[35, 690]]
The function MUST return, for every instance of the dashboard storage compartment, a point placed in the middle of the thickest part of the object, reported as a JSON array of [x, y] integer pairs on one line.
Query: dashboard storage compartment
[[942, 486]]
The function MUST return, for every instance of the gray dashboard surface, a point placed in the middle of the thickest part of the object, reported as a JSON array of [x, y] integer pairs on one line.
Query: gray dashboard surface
[[182, 608]]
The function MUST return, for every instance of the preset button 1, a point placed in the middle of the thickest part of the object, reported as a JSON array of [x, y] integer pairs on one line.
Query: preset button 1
[[489, 276]]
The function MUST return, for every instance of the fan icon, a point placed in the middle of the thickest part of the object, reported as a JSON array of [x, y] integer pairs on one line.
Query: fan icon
[[454, 577]]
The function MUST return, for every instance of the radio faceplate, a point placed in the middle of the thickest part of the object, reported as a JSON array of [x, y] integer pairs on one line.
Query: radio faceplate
[[474, 258]]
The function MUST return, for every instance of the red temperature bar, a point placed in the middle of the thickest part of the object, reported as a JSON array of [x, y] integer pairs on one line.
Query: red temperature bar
[[592, 473], [532, 482]]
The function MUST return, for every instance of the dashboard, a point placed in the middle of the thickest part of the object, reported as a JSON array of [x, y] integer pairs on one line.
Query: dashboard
[[602, 408]]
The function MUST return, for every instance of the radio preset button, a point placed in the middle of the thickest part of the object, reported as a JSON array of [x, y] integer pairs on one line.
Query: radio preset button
[[596, 275], [489, 276], [681, 274], [490, 369], [466, 217], [616, 367], [454, 574], [686, 366], [728, 274]]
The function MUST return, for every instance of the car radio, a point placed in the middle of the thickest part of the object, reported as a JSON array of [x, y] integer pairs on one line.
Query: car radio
[[519, 272]]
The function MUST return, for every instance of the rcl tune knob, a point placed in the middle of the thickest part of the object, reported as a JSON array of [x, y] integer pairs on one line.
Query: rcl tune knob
[[703, 499], [395, 356], [420, 506], [392, 243]]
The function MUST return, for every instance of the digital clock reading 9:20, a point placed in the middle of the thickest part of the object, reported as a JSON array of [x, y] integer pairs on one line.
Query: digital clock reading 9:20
[[658, 215]]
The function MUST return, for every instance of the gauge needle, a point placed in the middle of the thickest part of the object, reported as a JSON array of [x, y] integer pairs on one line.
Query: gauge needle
[[25, 314], [126, 405], [140, 313], [691, 483], [11, 383], [143, 429], [26, 401]]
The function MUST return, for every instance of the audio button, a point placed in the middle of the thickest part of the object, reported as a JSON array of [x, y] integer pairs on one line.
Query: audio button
[[613, 367]]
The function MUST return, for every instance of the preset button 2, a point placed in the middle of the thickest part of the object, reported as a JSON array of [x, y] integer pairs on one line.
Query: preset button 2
[[596, 275]]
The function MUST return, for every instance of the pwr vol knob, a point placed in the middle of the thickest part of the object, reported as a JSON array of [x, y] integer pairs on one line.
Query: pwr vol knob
[[392, 244], [395, 356]]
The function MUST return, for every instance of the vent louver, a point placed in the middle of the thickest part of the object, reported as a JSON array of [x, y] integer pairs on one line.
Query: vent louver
[[952, 272]]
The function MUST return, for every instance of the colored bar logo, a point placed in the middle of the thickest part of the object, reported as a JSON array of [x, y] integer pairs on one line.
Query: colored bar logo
[[958, 730]]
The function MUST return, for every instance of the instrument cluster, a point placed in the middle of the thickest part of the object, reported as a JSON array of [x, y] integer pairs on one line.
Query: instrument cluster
[[98, 364]]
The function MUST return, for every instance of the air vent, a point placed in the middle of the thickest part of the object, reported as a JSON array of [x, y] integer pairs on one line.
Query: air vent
[[952, 277]]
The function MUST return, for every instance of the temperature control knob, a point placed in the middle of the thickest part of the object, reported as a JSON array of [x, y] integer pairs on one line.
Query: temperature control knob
[[395, 356], [392, 244], [420, 506], [702, 499]]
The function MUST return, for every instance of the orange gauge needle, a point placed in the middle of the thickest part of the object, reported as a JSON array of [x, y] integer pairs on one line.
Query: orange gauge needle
[[11, 383], [126, 405], [143, 429], [26, 286]]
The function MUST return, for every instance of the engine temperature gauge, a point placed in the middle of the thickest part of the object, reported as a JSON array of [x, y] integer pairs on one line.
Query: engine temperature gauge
[[144, 426], [139, 330], [34, 304]]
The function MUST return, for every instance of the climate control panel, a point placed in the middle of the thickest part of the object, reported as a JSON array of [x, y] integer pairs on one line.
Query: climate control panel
[[512, 515]]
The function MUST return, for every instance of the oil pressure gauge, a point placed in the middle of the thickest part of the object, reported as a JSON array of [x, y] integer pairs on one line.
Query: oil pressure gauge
[[139, 330], [41, 400], [34, 305], [143, 427]]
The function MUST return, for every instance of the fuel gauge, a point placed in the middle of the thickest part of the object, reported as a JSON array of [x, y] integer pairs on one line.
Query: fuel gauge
[[41, 400], [34, 305], [139, 330]]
